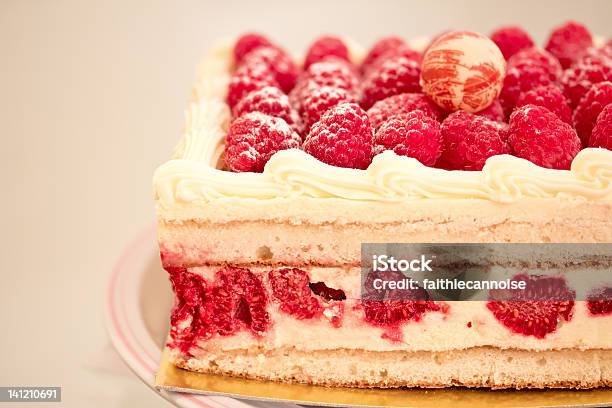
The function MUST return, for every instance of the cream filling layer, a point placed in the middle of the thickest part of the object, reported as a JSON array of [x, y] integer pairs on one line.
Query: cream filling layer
[[193, 176]]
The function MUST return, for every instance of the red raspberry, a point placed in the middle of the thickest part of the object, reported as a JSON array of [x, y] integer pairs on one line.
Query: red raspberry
[[600, 302], [401, 104], [569, 43], [469, 140], [325, 47], [494, 112], [188, 321], [384, 46], [253, 138], [539, 57], [269, 100], [246, 79], [527, 69], [387, 313], [238, 300], [394, 76], [342, 137], [537, 309], [511, 39], [401, 51], [581, 77], [247, 43], [549, 97], [332, 72], [283, 69], [290, 286], [589, 108], [412, 134], [318, 100], [538, 135], [602, 132]]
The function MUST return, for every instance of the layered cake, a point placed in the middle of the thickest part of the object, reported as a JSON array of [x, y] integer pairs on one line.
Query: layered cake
[[287, 165]]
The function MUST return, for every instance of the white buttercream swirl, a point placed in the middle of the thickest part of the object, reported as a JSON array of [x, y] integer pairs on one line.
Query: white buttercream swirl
[[191, 177]]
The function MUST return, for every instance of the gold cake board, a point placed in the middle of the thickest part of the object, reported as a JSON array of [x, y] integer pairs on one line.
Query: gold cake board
[[172, 378]]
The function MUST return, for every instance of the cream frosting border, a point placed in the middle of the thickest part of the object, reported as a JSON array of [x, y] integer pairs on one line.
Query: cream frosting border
[[191, 177]]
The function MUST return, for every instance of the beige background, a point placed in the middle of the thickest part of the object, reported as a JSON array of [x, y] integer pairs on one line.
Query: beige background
[[91, 100]]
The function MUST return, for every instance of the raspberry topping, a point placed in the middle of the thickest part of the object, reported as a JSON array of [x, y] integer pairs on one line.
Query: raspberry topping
[[290, 287], [581, 77], [494, 112], [413, 135], [541, 58], [401, 104], [318, 100], [549, 97], [269, 100], [511, 40], [602, 132], [569, 43], [394, 76], [528, 69], [283, 69], [538, 135], [246, 79], [469, 140], [342, 137], [600, 303], [384, 46], [247, 43], [325, 47], [401, 51], [331, 72], [238, 301], [253, 138], [589, 108], [524, 311]]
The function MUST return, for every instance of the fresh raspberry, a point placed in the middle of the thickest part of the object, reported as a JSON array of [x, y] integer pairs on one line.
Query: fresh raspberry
[[494, 112], [283, 69], [384, 46], [394, 53], [332, 72], [253, 138], [325, 292], [412, 134], [238, 301], [581, 77], [387, 313], [469, 140], [400, 104], [188, 319], [269, 100], [247, 43], [246, 79], [394, 76], [530, 313], [342, 137], [528, 69], [538, 135], [325, 47], [549, 97], [600, 302], [539, 57], [602, 132], [569, 43], [318, 100], [511, 39], [290, 286], [589, 108]]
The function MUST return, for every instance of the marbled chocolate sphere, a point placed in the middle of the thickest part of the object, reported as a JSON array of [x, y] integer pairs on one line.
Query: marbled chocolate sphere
[[463, 70]]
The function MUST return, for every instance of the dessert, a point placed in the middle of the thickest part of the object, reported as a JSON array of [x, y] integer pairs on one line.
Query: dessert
[[269, 195]]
